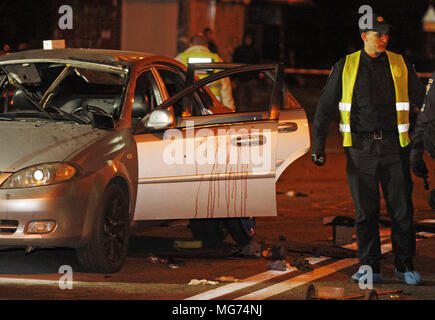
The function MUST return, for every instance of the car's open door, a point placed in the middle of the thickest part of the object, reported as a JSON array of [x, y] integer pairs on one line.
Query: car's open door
[[213, 163]]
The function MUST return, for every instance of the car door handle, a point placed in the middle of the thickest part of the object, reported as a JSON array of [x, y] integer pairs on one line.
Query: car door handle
[[248, 141], [287, 127]]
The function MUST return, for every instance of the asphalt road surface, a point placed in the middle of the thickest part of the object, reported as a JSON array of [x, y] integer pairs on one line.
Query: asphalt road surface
[[305, 195]]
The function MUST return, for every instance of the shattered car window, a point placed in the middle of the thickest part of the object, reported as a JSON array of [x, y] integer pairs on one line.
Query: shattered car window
[[58, 90]]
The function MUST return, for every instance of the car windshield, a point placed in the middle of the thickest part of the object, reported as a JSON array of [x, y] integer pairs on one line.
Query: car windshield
[[59, 92]]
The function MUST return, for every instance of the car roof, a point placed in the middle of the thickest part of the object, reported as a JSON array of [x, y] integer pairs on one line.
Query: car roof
[[114, 58]]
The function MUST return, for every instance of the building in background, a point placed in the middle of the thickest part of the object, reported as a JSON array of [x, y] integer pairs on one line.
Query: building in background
[[96, 24], [300, 33], [163, 26]]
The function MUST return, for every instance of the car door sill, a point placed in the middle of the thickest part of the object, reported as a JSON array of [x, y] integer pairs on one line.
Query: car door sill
[[210, 177]]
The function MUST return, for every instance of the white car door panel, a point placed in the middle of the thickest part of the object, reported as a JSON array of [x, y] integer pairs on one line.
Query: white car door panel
[[219, 164], [219, 171], [293, 138]]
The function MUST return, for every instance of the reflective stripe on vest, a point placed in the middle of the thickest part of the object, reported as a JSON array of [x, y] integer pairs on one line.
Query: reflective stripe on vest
[[198, 56], [400, 78]]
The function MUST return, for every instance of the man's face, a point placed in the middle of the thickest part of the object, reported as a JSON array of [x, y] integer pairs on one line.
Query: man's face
[[375, 43], [209, 35]]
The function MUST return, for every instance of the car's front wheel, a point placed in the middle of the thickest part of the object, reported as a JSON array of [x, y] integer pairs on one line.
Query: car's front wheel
[[107, 248]]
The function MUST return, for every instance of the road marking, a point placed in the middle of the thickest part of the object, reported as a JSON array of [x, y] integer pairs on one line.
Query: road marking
[[229, 288], [256, 279], [251, 281], [427, 221], [114, 286], [293, 282], [310, 276], [299, 280]]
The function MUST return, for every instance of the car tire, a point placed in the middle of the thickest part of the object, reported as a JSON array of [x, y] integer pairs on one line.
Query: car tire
[[242, 230], [107, 248], [212, 232], [431, 199]]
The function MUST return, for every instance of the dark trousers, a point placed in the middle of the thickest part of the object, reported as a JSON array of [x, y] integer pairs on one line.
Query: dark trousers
[[372, 164]]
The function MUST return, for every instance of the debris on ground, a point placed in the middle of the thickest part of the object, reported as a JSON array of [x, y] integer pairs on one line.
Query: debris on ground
[[267, 253], [302, 264], [253, 249], [277, 265], [292, 193], [171, 263], [228, 279], [175, 264], [195, 282], [322, 250], [154, 259], [190, 244], [337, 293], [339, 220], [274, 253]]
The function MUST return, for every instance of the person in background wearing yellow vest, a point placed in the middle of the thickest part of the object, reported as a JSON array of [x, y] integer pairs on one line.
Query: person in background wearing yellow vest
[[372, 89], [197, 53]]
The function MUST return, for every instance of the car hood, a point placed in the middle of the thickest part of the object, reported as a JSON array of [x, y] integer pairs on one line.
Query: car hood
[[23, 144]]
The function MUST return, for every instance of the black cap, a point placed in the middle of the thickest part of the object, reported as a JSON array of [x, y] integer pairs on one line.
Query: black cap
[[379, 25]]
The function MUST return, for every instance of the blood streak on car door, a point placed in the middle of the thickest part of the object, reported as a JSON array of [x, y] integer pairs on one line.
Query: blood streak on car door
[[210, 166]]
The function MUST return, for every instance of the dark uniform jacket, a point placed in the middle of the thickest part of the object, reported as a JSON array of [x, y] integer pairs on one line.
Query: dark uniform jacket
[[425, 121], [373, 100]]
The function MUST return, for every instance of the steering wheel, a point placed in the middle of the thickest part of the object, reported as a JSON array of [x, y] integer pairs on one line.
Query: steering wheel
[[91, 108]]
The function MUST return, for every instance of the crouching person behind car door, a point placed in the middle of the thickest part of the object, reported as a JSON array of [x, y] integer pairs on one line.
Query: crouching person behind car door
[[197, 52], [372, 89]]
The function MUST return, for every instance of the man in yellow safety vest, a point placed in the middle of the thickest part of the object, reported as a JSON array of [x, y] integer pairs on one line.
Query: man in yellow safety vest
[[199, 53], [372, 89]]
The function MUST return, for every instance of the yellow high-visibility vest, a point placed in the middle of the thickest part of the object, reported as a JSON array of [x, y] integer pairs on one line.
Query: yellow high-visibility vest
[[198, 56], [399, 73]]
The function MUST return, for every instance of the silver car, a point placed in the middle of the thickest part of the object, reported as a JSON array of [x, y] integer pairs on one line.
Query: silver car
[[94, 140]]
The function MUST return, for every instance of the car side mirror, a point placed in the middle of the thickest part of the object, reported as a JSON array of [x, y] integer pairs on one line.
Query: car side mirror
[[159, 119]]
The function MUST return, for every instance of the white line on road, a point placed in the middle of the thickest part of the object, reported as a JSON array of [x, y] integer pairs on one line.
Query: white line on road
[[310, 276], [226, 289], [299, 280], [113, 286], [229, 288]]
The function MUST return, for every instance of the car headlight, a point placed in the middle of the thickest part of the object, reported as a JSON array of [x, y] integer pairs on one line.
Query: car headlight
[[40, 175]]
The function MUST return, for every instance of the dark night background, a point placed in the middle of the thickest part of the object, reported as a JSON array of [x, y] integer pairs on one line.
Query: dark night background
[[318, 34]]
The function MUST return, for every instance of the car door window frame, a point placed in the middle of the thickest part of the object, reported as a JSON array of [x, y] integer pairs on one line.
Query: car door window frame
[[200, 100], [230, 69], [156, 88], [227, 119]]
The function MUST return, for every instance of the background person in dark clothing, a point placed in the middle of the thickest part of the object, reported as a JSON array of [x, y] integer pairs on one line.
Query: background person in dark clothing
[[208, 33], [423, 138], [372, 89], [422, 132], [245, 53]]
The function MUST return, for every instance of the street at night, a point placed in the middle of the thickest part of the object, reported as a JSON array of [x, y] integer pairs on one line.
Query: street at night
[[36, 275], [97, 203]]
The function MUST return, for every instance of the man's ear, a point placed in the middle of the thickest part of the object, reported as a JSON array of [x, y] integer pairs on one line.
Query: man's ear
[[364, 36]]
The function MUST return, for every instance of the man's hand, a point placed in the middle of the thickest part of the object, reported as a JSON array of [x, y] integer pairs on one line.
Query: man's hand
[[319, 158], [418, 165]]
